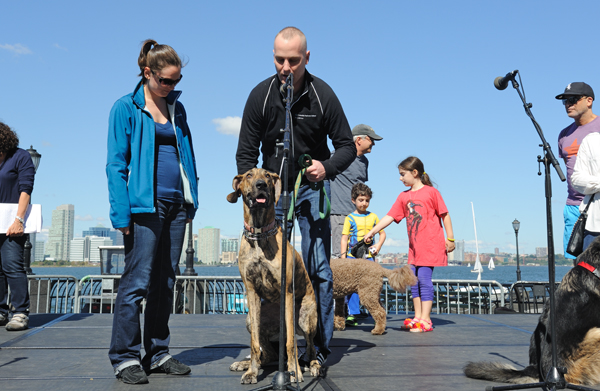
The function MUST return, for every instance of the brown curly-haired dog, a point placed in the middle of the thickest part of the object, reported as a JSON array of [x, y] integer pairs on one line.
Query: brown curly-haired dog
[[365, 278]]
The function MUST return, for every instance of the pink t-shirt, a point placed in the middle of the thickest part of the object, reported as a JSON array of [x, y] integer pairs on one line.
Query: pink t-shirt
[[423, 210]]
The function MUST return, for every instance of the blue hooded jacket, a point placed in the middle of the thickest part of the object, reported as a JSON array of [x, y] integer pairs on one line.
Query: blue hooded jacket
[[131, 157]]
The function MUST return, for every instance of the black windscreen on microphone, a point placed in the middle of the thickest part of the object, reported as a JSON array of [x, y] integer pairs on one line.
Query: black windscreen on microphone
[[502, 82], [284, 87]]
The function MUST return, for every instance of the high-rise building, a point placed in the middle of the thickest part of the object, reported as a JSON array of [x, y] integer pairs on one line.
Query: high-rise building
[[459, 251], [39, 250], [541, 252], [208, 245], [61, 232], [78, 250], [195, 241], [98, 230], [230, 245], [95, 242], [229, 250], [115, 235], [86, 249]]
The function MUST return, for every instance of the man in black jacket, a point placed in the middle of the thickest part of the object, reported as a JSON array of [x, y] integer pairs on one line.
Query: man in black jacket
[[316, 115]]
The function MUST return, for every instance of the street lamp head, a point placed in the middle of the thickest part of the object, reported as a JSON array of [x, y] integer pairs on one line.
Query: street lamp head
[[516, 225], [35, 156]]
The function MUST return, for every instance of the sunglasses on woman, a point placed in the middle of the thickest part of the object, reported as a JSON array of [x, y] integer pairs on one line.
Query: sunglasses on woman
[[165, 82]]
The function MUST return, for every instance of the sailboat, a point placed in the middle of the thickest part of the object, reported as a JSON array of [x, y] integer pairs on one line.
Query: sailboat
[[491, 265], [477, 268]]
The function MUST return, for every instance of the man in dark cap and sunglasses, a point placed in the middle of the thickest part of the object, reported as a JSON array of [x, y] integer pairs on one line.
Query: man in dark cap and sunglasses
[[578, 99]]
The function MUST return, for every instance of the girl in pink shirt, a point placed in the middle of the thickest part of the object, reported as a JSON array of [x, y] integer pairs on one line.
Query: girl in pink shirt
[[424, 209]]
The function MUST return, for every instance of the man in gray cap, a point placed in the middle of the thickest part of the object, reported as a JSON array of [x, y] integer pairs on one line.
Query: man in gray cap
[[577, 98], [341, 185]]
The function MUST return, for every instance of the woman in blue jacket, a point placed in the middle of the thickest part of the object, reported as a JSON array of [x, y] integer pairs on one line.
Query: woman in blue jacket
[[153, 192]]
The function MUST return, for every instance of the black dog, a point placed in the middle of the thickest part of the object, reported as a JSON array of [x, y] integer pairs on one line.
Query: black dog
[[577, 323]]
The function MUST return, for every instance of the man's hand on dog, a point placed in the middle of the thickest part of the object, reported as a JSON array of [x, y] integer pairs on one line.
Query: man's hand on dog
[[315, 172]]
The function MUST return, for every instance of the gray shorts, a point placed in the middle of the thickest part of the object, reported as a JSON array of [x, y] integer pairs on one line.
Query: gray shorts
[[337, 226]]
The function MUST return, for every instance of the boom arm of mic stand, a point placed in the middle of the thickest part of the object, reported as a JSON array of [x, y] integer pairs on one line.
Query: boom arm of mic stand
[[548, 151]]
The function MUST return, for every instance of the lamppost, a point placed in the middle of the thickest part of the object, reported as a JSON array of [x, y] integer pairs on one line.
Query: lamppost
[[35, 157], [189, 259], [516, 226]]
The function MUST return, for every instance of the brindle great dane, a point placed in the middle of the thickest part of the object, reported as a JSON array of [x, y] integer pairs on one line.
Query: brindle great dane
[[260, 268]]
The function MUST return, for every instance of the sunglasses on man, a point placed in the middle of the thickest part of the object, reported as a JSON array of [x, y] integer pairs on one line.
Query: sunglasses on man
[[165, 82], [572, 100]]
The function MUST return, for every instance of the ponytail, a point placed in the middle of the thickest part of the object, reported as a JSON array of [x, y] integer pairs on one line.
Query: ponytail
[[414, 163], [156, 57]]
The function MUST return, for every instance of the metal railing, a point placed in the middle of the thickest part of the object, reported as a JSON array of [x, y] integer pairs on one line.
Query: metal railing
[[451, 296], [227, 295], [52, 294], [529, 296]]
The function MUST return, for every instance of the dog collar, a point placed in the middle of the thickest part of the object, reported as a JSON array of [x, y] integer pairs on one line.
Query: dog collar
[[253, 233], [590, 268]]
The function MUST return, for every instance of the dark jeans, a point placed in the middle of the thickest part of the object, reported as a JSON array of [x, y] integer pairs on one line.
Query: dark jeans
[[152, 252], [588, 238], [12, 274], [316, 252]]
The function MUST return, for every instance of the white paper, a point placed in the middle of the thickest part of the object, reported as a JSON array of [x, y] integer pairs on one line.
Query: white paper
[[33, 217]]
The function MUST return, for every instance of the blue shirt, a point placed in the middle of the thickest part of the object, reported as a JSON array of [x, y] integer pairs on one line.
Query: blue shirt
[[16, 176], [168, 175]]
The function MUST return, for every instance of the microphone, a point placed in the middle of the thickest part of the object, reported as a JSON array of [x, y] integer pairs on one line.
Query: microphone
[[502, 82], [288, 82]]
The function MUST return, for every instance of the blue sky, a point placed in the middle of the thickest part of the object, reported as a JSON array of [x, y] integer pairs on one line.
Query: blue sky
[[420, 73]]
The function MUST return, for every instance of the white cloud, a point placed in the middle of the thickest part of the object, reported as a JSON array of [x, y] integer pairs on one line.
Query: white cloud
[[391, 242], [17, 48], [84, 218], [228, 125], [60, 47]]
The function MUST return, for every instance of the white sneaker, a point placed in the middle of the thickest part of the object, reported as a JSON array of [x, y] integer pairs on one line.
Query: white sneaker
[[18, 322]]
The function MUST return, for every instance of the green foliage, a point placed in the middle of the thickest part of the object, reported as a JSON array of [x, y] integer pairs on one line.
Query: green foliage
[[62, 263]]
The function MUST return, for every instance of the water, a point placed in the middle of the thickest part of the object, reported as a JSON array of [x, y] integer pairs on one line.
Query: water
[[502, 274]]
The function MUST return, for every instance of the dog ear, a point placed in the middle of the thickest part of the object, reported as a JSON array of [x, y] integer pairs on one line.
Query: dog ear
[[277, 186], [233, 197]]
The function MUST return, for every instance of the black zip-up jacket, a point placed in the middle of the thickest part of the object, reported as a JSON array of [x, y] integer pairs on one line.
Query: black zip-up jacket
[[316, 115]]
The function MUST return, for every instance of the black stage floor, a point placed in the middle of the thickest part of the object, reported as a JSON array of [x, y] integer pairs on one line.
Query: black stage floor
[[69, 352]]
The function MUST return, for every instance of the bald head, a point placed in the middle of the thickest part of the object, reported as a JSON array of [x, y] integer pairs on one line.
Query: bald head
[[290, 55], [289, 33]]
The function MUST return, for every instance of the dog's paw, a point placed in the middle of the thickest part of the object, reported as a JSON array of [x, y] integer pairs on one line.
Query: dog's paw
[[298, 378], [339, 324], [377, 331], [239, 366], [249, 378], [315, 368]]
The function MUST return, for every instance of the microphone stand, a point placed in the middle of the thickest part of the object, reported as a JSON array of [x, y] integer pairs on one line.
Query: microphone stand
[[282, 379], [555, 379]]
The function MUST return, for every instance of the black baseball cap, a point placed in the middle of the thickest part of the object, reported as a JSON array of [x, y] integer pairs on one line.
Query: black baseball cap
[[577, 88], [365, 130]]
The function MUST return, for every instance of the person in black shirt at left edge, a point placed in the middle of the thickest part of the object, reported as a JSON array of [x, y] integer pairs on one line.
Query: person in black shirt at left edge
[[316, 115]]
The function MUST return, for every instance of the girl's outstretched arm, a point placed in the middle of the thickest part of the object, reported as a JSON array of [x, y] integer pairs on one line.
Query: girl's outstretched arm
[[450, 246], [380, 242], [383, 223]]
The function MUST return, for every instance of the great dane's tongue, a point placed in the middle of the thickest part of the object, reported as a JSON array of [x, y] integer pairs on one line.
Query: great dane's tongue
[[261, 200]]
